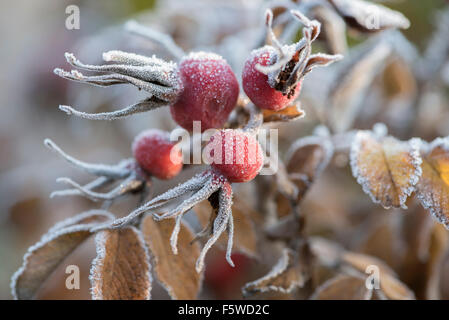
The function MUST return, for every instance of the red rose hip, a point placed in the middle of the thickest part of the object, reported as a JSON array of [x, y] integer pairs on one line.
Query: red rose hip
[[156, 154], [235, 154], [210, 91], [256, 85]]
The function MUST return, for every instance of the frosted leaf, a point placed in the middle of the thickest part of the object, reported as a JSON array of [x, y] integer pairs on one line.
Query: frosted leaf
[[44, 257], [343, 287], [287, 275], [351, 81], [369, 17], [121, 269], [175, 272], [386, 168], [433, 187]]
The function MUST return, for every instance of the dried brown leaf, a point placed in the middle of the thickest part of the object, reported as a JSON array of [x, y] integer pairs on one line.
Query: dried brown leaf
[[391, 287], [306, 159], [287, 275], [361, 261], [333, 255], [44, 257], [434, 267], [433, 188], [121, 270], [343, 287], [394, 289], [386, 168], [290, 113], [176, 272]]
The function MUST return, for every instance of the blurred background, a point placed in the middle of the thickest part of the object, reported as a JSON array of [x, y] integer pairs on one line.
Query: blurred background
[[33, 41]]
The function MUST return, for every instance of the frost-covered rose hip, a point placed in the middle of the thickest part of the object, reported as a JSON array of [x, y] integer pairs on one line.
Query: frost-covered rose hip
[[272, 75], [200, 87], [256, 85], [156, 154], [210, 91], [235, 154]]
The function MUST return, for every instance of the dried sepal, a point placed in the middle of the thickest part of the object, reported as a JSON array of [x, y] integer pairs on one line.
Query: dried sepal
[[386, 168], [287, 275], [44, 257], [245, 238], [343, 287], [306, 159], [134, 179], [433, 187], [160, 79], [191, 186], [111, 171], [176, 272], [188, 194], [121, 269], [369, 17], [290, 63]]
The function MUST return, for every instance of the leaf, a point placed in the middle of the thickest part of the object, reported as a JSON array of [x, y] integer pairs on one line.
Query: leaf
[[44, 257], [361, 261], [290, 113], [351, 81], [306, 160], [287, 275], [286, 228], [433, 188], [386, 168], [369, 17], [333, 29], [333, 255], [394, 289], [381, 238], [121, 270], [176, 272], [434, 268], [343, 287], [391, 287], [245, 238]]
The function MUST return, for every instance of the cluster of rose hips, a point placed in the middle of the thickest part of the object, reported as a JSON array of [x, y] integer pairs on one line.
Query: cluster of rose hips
[[201, 87]]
